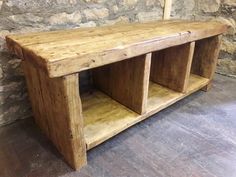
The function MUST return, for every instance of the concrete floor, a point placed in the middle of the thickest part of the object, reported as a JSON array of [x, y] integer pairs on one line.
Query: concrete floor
[[195, 137]]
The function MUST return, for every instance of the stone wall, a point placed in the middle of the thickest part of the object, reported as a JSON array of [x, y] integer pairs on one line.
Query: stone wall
[[22, 16]]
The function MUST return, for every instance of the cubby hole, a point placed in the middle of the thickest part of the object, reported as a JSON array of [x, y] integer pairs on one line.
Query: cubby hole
[[170, 76], [204, 58], [112, 98]]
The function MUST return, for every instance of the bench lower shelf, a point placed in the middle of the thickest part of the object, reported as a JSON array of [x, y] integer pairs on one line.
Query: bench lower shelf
[[104, 117]]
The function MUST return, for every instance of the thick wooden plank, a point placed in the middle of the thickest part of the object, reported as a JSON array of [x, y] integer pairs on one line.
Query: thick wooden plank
[[205, 57], [57, 110], [171, 67], [105, 117], [52, 36], [126, 81], [84, 49]]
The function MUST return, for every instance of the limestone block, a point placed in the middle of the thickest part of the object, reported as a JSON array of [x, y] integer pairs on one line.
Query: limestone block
[[148, 16], [209, 5], [96, 13], [64, 18]]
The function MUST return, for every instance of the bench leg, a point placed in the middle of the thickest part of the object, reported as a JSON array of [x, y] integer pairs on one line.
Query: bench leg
[[57, 110], [205, 58]]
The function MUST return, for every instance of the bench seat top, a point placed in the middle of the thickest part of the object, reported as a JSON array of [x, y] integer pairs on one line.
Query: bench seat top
[[64, 52]]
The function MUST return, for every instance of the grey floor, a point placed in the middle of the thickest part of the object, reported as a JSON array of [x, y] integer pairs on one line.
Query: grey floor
[[195, 137]]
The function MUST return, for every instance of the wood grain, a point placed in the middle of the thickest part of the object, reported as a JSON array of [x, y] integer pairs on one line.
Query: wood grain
[[205, 58], [57, 109], [120, 57], [171, 67], [105, 117], [63, 52], [126, 81]]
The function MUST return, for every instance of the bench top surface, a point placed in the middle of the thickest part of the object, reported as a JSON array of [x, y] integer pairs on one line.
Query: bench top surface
[[68, 51]]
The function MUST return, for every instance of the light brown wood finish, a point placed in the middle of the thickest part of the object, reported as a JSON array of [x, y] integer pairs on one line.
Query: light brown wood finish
[[205, 57], [57, 109], [88, 34], [52, 61], [61, 53], [105, 117], [171, 67], [126, 81]]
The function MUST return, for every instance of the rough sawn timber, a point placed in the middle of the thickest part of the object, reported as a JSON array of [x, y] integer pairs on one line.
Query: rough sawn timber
[[64, 52], [57, 110], [179, 57]]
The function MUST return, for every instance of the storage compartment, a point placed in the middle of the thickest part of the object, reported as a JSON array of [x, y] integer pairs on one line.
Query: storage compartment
[[104, 117], [116, 96], [170, 78], [171, 67], [205, 58]]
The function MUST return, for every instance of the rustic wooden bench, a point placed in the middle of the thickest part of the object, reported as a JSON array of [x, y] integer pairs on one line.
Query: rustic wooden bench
[[138, 70]]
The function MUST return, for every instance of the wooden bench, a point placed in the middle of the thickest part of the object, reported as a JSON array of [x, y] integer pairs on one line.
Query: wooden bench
[[138, 70]]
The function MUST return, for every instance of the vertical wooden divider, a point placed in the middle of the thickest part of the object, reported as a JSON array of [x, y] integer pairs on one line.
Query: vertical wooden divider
[[126, 81], [171, 67], [57, 110], [205, 58]]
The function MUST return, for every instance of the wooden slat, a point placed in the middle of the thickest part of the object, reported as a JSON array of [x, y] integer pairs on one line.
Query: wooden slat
[[171, 67], [205, 57], [126, 81], [64, 52], [57, 110], [105, 117]]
